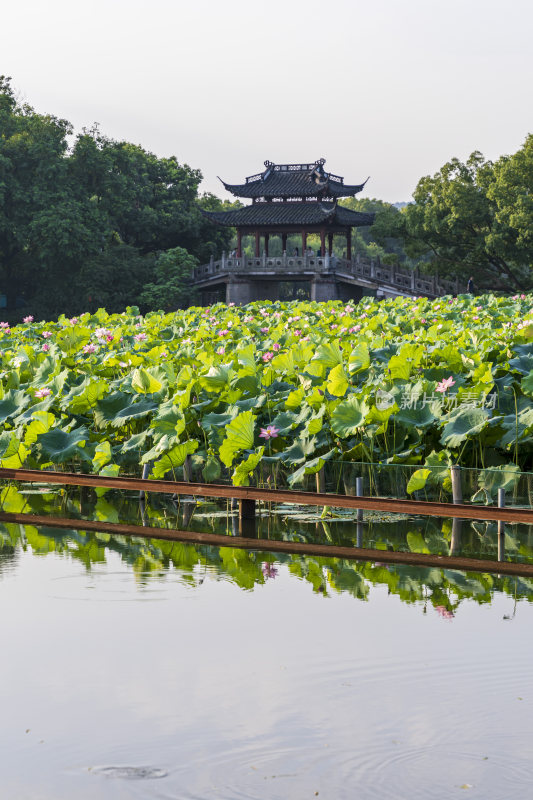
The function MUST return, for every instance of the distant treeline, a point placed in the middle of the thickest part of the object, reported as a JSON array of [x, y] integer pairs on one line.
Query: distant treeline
[[86, 221], [94, 222]]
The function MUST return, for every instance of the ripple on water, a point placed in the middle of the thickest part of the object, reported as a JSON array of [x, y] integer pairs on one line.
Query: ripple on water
[[130, 773]]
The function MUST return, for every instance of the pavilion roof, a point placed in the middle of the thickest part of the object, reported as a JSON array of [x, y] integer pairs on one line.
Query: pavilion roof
[[294, 180], [291, 215]]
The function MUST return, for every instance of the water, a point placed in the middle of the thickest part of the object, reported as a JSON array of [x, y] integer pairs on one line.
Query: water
[[146, 669]]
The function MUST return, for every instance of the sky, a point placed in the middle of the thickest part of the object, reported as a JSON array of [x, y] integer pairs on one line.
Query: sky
[[390, 89]]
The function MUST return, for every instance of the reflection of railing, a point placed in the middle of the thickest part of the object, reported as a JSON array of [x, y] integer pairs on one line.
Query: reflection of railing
[[368, 270], [276, 546]]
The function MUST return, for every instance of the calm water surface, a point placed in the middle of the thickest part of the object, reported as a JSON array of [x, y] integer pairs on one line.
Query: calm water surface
[[165, 670]]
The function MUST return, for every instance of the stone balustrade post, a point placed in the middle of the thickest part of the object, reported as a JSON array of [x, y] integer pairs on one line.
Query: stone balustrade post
[[223, 261]]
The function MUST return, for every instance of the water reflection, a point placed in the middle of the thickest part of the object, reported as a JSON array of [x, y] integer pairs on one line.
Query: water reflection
[[146, 668], [152, 559]]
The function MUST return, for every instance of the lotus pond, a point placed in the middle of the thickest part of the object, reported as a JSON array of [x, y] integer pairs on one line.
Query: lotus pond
[[274, 390], [138, 668]]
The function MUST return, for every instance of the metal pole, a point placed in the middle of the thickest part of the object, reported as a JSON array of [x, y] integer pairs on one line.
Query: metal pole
[[457, 491], [359, 493], [501, 526]]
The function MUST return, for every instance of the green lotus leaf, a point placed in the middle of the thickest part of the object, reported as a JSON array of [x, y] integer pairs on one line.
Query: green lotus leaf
[[109, 471], [84, 397], [134, 443], [239, 436], [173, 459], [12, 451], [285, 421], [41, 423], [349, 416], [144, 382], [359, 359], [298, 451], [118, 408], [246, 356], [418, 417], [418, 480], [467, 422], [169, 421], [243, 471], [527, 383], [102, 455], [60, 446], [295, 398], [338, 381], [212, 471], [328, 354], [216, 379], [503, 477], [311, 467], [284, 362], [400, 367], [13, 402]]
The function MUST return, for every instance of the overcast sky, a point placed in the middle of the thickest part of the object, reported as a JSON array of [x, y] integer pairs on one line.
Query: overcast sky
[[386, 88]]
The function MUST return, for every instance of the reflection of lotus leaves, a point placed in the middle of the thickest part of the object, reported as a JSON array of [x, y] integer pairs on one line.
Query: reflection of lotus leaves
[[384, 400], [131, 773]]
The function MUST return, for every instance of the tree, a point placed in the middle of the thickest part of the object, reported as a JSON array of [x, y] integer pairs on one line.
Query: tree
[[40, 219], [84, 225], [474, 217], [172, 287]]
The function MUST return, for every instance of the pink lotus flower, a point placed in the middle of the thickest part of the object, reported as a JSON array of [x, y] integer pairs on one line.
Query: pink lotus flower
[[264, 330], [89, 348], [43, 393], [354, 329], [73, 320], [268, 570], [223, 332], [45, 347], [267, 356], [221, 351], [109, 337], [276, 346], [28, 319], [46, 334], [445, 384], [140, 337], [444, 612], [270, 432], [4, 324]]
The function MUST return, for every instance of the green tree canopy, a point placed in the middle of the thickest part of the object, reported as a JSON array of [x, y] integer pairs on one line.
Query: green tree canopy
[[474, 217], [85, 223]]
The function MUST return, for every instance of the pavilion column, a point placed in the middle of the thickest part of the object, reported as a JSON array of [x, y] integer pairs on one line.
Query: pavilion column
[[267, 237], [330, 244], [349, 244], [304, 242], [283, 242], [239, 243], [257, 244], [322, 242]]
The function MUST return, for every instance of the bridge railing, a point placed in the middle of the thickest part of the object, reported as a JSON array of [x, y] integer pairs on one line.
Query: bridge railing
[[370, 270]]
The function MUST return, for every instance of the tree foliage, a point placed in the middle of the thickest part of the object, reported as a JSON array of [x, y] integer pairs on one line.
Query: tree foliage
[[473, 218], [83, 226]]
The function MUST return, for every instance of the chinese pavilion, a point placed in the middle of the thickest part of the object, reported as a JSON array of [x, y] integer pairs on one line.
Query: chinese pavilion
[[301, 199], [293, 199]]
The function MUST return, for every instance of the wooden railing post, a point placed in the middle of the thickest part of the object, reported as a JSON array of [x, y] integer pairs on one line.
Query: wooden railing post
[[247, 518]]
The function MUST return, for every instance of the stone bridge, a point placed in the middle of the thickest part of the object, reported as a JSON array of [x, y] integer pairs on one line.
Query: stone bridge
[[244, 279]]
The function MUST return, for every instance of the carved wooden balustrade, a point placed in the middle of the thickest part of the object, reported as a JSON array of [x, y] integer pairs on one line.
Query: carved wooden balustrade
[[370, 272]]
